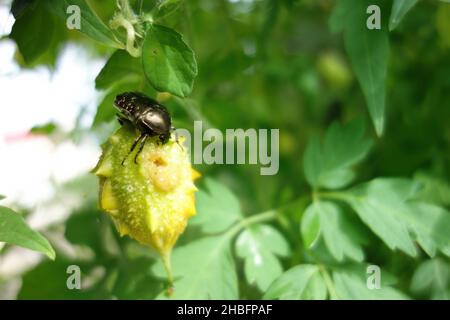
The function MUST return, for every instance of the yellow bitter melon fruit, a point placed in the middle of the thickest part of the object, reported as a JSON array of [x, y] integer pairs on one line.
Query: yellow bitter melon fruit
[[152, 200]]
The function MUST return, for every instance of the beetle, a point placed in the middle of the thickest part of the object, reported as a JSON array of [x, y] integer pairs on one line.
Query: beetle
[[147, 115]]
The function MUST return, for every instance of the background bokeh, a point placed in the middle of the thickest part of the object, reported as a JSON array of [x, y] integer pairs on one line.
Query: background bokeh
[[262, 64]]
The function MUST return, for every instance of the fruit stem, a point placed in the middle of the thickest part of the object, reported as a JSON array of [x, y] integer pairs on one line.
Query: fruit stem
[[165, 256]]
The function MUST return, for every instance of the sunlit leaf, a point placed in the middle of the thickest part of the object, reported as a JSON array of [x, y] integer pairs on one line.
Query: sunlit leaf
[[381, 205], [432, 276], [169, 63], [350, 286], [217, 208], [203, 269], [259, 245], [336, 232], [301, 282], [310, 226]]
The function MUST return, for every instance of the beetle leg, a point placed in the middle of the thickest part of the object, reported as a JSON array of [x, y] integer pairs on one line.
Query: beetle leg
[[120, 119], [133, 146], [140, 148]]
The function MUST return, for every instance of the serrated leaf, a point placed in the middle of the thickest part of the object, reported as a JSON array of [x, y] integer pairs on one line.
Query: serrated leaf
[[203, 269], [14, 230], [310, 226], [381, 205], [300, 282], [432, 224], [90, 24], [399, 9], [119, 67], [335, 231], [369, 52], [433, 278], [166, 8], [33, 20], [258, 245], [169, 63], [351, 287], [217, 209], [329, 165]]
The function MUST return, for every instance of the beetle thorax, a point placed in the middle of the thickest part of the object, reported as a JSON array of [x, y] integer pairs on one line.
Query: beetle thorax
[[156, 120]]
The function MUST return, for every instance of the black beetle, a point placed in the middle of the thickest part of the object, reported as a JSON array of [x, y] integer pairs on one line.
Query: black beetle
[[147, 115]]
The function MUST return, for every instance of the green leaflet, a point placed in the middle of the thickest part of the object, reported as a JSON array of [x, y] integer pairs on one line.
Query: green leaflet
[[336, 231], [33, 19], [119, 67], [169, 64], [432, 275], [259, 246], [399, 9], [329, 165], [217, 209], [203, 269], [90, 23], [368, 51], [349, 286], [300, 282], [14, 230]]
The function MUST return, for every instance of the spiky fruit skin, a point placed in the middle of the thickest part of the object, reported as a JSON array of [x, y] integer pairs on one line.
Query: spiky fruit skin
[[150, 201]]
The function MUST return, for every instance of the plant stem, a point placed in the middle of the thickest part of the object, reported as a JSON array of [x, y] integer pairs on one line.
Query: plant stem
[[261, 217], [165, 256], [328, 282]]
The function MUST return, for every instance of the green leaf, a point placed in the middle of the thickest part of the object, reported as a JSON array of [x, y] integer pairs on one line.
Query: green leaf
[[45, 129], [350, 286], [119, 67], [381, 205], [166, 8], [310, 227], [203, 269], [90, 24], [300, 282], [432, 224], [369, 53], [34, 20], [217, 209], [338, 16], [2, 197], [329, 165], [169, 63], [432, 277], [434, 189], [258, 245], [399, 9], [336, 231], [14, 230]]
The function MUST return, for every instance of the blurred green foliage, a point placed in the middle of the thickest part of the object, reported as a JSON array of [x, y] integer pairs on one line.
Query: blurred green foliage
[[362, 195]]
